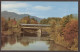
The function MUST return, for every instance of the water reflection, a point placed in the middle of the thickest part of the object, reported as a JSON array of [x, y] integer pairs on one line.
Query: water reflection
[[11, 40], [3, 41], [29, 43]]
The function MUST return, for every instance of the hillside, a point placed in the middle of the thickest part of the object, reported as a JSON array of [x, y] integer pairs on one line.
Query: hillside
[[12, 15]]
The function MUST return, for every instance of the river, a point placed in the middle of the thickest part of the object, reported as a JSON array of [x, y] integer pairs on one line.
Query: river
[[26, 43]]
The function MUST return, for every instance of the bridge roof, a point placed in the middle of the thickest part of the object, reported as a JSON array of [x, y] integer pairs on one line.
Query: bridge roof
[[35, 24]]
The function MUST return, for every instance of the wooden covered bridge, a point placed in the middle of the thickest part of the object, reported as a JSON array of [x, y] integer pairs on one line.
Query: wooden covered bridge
[[37, 28]]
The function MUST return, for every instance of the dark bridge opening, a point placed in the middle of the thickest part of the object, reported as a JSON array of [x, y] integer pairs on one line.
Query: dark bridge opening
[[44, 34], [29, 34]]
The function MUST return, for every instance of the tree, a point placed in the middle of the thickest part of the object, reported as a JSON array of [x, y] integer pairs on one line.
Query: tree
[[71, 31], [25, 20], [9, 19], [44, 21], [65, 20], [33, 21], [3, 23], [28, 19], [53, 23]]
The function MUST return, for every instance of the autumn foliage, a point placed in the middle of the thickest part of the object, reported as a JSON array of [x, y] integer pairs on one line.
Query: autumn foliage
[[3, 23], [64, 30], [71, 30], [28, 20]]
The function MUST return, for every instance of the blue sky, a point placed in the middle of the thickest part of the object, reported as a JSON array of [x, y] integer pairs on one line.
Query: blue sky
[[42, 9]]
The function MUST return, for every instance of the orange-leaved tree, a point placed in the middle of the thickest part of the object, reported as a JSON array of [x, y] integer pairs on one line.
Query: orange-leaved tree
[[71, 31]]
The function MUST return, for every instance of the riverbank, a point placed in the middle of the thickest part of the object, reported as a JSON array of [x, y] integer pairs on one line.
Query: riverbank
[[60, 40]]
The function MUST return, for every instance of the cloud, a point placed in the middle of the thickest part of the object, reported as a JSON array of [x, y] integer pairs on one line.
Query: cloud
[[42, 7], [17, 7], [41, 16], [11, 5]]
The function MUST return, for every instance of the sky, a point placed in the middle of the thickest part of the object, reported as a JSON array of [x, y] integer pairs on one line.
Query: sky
[[41, 9]]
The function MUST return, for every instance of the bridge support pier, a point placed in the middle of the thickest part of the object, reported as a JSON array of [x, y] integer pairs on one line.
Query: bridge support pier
[[39, 32]]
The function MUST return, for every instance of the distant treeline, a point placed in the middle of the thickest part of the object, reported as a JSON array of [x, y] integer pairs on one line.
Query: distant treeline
[[6, 23]]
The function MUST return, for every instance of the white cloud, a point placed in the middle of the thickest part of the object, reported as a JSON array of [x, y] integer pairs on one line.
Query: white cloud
[[42, 7], [15, 7], [11, 5], [41, 16]]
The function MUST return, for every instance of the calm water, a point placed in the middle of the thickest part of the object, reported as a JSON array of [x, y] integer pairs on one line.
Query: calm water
[[29, 43]]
